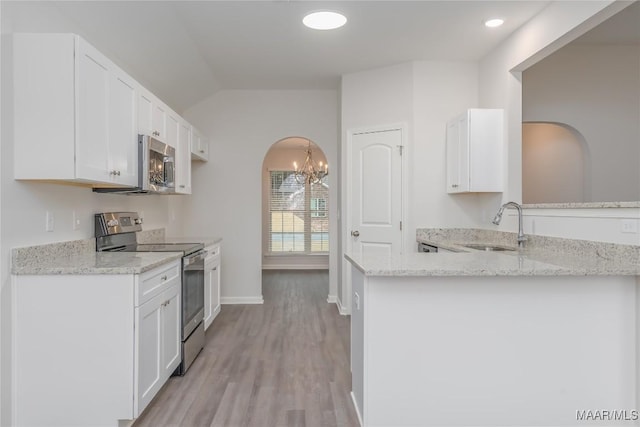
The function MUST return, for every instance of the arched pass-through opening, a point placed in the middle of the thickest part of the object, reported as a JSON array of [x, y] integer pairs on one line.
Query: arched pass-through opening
[[295, 210], [556, 166]]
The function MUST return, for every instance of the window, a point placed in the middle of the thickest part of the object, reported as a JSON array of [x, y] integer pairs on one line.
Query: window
[[318, 208], [298, 219]]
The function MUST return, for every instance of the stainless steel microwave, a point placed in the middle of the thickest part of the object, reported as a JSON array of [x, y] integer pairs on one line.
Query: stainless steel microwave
[[156, 169]]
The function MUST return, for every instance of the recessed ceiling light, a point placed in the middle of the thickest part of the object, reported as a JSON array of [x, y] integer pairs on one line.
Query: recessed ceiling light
[[324, 20], [492, 23]]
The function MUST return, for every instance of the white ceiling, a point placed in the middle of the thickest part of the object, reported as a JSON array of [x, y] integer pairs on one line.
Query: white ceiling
[[184, 51]]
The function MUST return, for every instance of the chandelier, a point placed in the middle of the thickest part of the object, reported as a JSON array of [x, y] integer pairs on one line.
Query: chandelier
[[310, 172]]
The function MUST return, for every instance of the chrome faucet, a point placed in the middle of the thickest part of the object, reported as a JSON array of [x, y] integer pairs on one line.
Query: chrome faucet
[[498, 218]]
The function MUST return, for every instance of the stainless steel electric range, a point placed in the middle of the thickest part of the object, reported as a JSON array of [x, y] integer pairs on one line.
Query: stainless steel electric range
[[116, 232]]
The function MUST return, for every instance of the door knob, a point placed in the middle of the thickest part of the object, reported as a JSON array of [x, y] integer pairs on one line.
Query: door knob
[[355, 233]]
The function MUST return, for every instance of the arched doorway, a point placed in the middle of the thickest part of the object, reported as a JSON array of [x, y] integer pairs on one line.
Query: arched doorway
[[295, 210], [556, 166]]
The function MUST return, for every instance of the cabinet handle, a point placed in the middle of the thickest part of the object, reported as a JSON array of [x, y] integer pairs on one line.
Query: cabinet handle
[[202, 151], [455, 185], [118, 173], [215, 268], [163, 278], [182, 186]]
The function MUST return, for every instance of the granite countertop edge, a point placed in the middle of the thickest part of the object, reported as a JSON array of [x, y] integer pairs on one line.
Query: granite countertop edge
[[542, 256], [97, 263]]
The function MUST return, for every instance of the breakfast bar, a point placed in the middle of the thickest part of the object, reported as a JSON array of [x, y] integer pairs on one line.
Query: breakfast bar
[[522, 337]]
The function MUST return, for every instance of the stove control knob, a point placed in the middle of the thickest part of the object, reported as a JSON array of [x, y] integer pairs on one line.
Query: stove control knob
[[112, 223]]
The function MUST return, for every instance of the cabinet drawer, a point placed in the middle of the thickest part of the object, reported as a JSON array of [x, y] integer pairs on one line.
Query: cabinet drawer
[[155, 281], [212, 251]]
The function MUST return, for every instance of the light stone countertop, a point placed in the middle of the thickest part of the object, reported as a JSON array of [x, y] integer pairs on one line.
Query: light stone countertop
[[95, 263], [80, 256], [542, 256], [207, 241], [158, 236]]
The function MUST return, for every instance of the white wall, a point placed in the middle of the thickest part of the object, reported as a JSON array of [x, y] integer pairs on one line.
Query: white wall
[[596, 90], [227, 199], [280, 158], [22, 219], [500, 87], [424, 96]]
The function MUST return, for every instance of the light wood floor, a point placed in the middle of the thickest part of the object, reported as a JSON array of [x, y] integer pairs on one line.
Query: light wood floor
[[283, 363]]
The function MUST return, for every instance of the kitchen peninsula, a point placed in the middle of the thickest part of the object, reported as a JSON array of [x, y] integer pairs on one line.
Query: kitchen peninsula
[[479, 338]]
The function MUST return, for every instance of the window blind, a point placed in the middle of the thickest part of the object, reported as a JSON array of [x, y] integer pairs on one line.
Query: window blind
[[298, 215]]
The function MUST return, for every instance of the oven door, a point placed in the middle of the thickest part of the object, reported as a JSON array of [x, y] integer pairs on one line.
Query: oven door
[[192, 292]]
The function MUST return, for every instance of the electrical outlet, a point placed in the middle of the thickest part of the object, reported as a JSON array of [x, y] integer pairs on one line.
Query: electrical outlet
[[629, 226], [76, 221], [49, 221]]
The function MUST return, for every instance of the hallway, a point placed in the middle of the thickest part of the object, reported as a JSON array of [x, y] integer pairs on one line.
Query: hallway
[[283, 363]]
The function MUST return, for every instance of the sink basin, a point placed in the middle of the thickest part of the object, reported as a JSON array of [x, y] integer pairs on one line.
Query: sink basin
[[487, 247]]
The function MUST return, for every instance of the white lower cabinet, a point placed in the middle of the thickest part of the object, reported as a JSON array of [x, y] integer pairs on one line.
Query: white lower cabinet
[[211, 284], [157, 343], [92, 349]]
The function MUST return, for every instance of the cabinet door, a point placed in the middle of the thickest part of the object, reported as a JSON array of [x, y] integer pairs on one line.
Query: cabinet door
[[452, 157], [158, 121], [209, 265], [171, 351], [183, 160], [458, 155], [150, 370], [171, 134], [211, 289], [92, 123], [199, 146], [145, 113], [215, 290], [463, 153], [123, 135]]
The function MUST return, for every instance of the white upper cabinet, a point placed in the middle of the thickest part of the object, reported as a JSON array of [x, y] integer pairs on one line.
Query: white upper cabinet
[[145, 113], [183, 159], [77, 116], [123, 155], [152, 115], [84, 107], [199, 146], [172, 125], [475, 151]]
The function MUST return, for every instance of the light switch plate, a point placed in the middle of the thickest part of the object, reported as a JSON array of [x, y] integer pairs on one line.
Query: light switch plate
[[76, 221], [49, 221]]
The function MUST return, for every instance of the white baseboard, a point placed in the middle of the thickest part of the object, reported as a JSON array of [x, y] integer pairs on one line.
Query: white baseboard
[[332, 299], [355, 405], [341, 308], [242, 300], [295, 267]]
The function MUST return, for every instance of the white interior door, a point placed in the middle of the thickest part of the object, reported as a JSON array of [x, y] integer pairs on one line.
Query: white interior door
[[376, 192]]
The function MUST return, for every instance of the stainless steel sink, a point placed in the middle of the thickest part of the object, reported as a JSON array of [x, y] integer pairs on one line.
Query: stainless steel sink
[[486, 247]]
